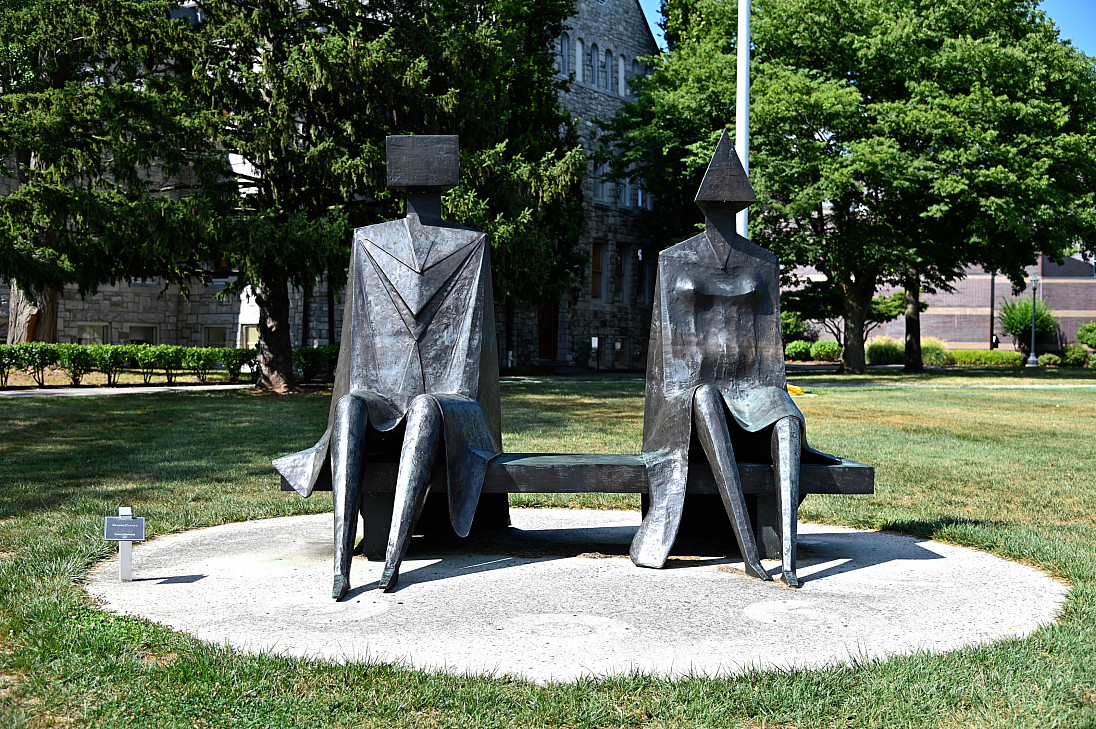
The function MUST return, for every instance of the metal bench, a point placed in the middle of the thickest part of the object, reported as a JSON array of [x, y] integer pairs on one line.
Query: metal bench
[[571, 473]]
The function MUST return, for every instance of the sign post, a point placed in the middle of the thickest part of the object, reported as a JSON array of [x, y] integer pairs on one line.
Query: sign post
[[124, 529]]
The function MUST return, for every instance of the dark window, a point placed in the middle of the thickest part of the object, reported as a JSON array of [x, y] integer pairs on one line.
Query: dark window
[[597, 254], [618, 274]]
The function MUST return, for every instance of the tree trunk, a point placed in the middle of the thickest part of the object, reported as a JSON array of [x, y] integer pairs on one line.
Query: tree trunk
[[32, 318], [306, 302], [275, 347], [330, 307], [857, 309], [913, 323]]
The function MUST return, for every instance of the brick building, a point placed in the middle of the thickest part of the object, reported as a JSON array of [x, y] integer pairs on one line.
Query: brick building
[[966, 317], [600, 324]]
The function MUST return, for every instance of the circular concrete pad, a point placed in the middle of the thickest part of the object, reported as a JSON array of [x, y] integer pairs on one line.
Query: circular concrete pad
[[556, 598]]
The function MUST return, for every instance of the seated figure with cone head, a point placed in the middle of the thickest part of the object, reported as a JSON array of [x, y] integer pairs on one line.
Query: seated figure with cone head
[[417, 377], [715, 371]]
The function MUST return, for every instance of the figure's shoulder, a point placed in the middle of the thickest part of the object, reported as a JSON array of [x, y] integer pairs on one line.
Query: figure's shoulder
[[686, 250], [748, 247], [381, 231]]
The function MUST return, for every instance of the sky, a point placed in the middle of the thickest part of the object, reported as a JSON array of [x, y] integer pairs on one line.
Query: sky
[[1076, 20]]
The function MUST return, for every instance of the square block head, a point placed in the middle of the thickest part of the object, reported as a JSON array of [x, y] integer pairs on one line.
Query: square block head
[[423, 163]]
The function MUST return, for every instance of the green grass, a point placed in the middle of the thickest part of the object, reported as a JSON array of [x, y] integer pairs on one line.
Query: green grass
[[948, 376], [1009, 471]]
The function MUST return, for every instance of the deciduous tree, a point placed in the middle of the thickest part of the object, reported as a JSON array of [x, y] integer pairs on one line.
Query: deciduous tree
[[894, 141]]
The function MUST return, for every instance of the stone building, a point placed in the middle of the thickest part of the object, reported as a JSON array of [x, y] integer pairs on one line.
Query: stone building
[[601, 324]]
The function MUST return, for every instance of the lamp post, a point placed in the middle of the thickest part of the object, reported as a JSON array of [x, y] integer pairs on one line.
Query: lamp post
[[1032, 360]]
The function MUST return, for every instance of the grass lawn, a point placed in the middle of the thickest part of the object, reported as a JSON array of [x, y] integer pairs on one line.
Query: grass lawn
[[1006, 470]]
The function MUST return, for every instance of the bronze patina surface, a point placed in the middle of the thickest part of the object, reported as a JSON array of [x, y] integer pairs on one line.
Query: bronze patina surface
[[417, 377], [715, 375]]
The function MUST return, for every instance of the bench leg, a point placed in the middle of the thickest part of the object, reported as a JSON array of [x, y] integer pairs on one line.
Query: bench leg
[[766, 524], [376, 510]]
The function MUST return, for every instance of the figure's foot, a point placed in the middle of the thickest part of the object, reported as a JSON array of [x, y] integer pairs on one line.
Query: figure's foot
[[790, 579], [754, 569], [389, 578], [340, 587]]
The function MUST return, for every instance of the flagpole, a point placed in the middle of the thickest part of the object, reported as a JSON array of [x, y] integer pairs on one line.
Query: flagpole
[[742, 108]]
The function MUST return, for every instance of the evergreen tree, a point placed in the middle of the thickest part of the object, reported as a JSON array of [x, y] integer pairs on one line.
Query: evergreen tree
[[92, 132], [301, 95]]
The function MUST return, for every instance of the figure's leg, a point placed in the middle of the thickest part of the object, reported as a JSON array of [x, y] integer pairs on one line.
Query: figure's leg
[[422, 442], [786, 452], [711, 429], [347, 447]]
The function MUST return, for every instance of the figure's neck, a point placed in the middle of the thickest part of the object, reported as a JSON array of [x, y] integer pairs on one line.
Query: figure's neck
[[723, 222], [426, 206]]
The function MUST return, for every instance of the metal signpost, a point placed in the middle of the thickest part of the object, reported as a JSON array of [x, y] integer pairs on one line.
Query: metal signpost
[[124, 529]]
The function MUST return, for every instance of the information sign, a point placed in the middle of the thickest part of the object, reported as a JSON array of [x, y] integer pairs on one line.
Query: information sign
[[124, 529]]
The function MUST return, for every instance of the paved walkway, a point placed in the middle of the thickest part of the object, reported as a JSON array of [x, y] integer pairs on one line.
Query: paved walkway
[[120, 390], [556, 598]]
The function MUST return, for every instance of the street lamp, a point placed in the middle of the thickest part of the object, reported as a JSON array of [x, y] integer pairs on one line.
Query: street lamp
[[1032, 360]]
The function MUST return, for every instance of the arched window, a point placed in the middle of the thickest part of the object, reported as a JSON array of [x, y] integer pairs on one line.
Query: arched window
[[564, 55], [635, 73], [621, 85], [594, 59], [580, 72], [605, 70]]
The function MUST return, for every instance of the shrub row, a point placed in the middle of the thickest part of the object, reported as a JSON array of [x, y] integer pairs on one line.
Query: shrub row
[[825, 350], [313, 362], [888, 350], [78, 360], [986, 357]]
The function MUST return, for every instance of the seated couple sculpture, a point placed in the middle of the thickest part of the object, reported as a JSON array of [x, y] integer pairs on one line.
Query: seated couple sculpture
[[417, 376]]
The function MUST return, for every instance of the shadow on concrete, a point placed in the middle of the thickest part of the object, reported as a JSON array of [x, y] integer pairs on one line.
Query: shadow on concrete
[[844, 552]]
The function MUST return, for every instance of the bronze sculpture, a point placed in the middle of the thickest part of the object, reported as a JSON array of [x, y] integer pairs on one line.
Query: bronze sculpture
[[716, 362], [417, 376]]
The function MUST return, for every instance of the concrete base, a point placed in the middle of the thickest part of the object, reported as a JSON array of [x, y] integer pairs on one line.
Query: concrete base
[[555, 598]]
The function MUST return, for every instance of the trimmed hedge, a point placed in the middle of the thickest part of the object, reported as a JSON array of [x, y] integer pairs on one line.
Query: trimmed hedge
[[76, 360], [986, 358], [79, 360], [1087, 333], [1050, 360], [1074, 355], [8, 362], [826, 350], [315, 361], [798, 351]]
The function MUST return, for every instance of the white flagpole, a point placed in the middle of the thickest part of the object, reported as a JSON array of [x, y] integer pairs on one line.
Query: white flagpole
[[742, 109]]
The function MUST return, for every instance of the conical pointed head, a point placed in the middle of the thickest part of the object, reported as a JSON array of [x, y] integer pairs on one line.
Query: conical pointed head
[[725, 185]]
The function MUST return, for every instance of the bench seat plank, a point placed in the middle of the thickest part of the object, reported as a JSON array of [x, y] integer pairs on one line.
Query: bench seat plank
[[571, 473]]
